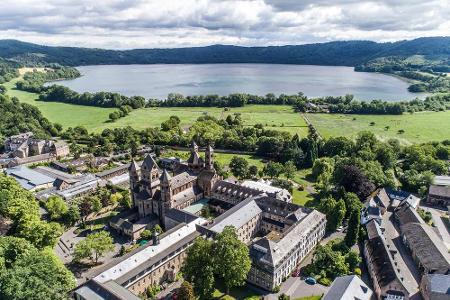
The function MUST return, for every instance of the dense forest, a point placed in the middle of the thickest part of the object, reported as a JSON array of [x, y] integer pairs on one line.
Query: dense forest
[[8, 70], [17, 117], [341, 53]]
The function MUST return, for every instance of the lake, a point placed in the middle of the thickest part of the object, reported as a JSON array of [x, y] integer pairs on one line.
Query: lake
[[157, 81]]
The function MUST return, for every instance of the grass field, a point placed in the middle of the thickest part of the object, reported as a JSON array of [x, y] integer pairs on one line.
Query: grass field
[[418, 127], [95, 118]]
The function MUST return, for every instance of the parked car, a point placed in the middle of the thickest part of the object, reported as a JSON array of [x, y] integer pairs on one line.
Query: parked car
[[340, 228], [310, 280]]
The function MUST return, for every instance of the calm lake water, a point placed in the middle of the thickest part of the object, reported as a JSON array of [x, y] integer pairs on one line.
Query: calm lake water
[[157, 81]]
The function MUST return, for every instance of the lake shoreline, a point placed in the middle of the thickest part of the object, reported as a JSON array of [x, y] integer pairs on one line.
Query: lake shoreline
[[158, 80]]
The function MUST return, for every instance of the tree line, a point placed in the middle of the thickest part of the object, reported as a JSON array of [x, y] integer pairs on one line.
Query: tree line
[[347, 105], [34, 81]]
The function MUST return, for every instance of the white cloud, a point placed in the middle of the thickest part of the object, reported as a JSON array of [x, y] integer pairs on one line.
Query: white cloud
[[177, 23]]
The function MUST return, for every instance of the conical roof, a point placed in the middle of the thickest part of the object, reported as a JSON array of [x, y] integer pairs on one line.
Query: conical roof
[[165, 177], [149, 162], [133, 166], [194, 146]]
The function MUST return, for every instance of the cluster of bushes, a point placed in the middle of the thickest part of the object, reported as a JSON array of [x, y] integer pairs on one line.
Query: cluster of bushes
[[33, 81]]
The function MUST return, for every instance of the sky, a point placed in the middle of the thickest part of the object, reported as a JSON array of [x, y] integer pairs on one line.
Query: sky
[[126, 24]]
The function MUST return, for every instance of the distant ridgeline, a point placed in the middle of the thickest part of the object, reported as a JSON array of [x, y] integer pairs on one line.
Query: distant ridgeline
[[425, 61], [341, 53]]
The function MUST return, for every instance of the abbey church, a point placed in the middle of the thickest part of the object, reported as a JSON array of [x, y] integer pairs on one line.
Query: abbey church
[[155, 192]]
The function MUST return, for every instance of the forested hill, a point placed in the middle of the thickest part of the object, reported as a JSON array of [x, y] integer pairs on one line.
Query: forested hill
[[343, 53]]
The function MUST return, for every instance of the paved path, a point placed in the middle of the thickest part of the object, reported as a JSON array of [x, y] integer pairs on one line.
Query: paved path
[[441, 227]]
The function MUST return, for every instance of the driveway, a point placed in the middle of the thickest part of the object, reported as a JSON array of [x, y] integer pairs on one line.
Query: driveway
[[295, 287]]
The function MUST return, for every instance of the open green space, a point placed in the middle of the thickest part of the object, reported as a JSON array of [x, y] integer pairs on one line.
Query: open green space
[[280, 117], [418, 127], [68, 115]]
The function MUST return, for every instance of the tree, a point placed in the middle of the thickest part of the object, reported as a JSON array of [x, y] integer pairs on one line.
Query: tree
[[40, 233], [352, 179], [239, 167], [273, 169], [289, 169], [352, 258], [199, 258], [186, 291], [72, 216], [231, 258], [353, 228], [114, 116], [284, 297], [27, 273], [146, 234], [126, 200], [115, 198], [331, 263], [94, 246], [253, 171], [56, 207]]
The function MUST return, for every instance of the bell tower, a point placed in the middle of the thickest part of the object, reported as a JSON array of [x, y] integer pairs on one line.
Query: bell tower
[[209, 158], [166, 196], [135, 177]]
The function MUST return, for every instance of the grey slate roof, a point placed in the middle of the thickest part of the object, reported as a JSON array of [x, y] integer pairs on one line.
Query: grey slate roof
[[439, 190], [438, 283], [110, 290], [28, 178], [428, 247], [348, 288]]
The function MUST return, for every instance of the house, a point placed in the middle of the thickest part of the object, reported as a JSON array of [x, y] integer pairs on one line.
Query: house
[[439, 195], [427, 249], [24, 145], [381, 260], [435, 287], [348, 288], [30, 179]]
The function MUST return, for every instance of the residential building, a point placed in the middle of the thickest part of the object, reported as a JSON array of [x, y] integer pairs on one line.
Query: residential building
[[435, 287], [23, 145], [427, 249], [381, 259], [348, 288], [439, 195]]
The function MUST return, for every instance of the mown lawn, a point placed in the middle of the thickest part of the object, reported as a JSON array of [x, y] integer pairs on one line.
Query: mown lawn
[[418, 127]]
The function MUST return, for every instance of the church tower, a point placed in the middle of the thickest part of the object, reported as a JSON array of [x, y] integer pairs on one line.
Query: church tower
[[209, 158], [166, 196], [149, 174], [135, 177], [195, 162]]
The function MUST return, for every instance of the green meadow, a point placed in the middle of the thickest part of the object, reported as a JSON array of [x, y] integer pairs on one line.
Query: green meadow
[[95, 119], [408, 128]]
